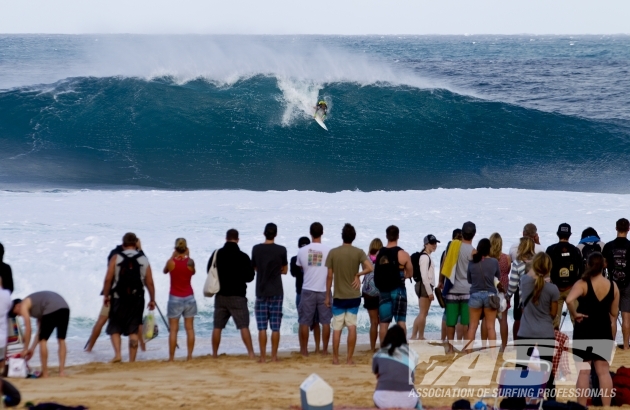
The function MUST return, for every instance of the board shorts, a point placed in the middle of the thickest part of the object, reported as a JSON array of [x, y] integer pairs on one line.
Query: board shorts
[[231, 306], [58, 319], [125, 316], [393, 305], [370, 302], [457, 308], [268, 312], [345, 312], [421, 290], [178, 307], [312, 309]]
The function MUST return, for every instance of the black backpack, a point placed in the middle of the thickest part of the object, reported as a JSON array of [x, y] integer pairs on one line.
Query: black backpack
[[415, 263], [618, 270], [387, 271], [588, 249], [129, 282]]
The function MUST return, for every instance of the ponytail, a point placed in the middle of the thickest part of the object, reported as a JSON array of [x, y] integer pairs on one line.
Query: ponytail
[[594, 265], [541, 265]]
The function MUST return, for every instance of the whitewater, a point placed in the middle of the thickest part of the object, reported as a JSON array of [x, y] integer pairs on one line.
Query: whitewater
[[59, 240]]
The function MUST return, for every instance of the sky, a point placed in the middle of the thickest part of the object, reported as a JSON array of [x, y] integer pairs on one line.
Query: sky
[[345, 17]]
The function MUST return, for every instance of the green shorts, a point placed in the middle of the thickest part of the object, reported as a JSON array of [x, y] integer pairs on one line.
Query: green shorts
[[457, 309]]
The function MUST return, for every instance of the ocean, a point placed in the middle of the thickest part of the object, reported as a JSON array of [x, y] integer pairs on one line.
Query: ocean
[[171, 136]]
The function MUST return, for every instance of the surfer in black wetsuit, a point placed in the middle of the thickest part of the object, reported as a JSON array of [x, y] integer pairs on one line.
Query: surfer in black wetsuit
[[323, 107]]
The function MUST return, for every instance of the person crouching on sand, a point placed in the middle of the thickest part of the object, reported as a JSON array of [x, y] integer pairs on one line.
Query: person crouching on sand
[[391, 365], [181, 298], [51, 311], [127, 275]]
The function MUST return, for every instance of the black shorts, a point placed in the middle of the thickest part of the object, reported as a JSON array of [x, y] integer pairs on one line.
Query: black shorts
[[58, 319], [370, 302], [125, 316]]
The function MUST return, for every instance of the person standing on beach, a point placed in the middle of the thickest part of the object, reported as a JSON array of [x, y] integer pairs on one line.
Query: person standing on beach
[[52, 312], [181, 297], [6, 275], [459, 329], [370, 293], [312, 311], [343, 265], [424, 287], [269, 260], [529, 231], [235, 271], [393, 267], [456, 299], [520, 267], [505, 264], [617, 255], [298, 273], [566, 267], [127, 275]]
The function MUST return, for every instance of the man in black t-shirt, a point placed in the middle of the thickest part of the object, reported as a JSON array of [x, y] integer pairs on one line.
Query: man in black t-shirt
[[566, 267], [270, 263], [617, 255]]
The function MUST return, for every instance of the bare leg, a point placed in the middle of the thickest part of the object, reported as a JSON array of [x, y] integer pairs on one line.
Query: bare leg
[[317, 333], [143, 345], [190, 336], [484, 331], [382, 331], [133, 347], [352, 342], [491, 332], [421, 321], [475, 314], [461, 331], [62, 357], [625, 329], [96, 332], [443, 331], [602, 368], [216, 341], [336, 341], [262, 342], [43, 355], [275, 342], [247, 340], [583, 382], [450, 336], [373, 328], [325, 339], [504, 330], [172, 338], [303, 333], [115, 338]]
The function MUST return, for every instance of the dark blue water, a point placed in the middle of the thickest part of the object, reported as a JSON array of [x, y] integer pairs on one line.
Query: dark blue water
[[235, 112]]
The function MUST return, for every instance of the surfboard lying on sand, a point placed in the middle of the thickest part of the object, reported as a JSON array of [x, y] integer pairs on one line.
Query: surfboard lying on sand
[[320, 121]]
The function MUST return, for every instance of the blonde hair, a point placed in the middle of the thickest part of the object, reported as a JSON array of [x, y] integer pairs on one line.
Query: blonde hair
[[375, 246], [526, 249], [496, 245], [541, 265]]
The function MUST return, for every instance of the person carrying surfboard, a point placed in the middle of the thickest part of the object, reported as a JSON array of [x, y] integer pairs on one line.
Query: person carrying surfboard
[[323, 107]]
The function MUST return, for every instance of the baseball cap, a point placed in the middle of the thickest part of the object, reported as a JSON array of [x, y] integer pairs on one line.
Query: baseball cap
[[469, 228], [430, 239], [565, 229]]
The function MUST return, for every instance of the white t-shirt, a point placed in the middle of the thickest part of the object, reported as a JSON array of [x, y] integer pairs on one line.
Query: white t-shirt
[[427, 272], [5, 306], [514, 250], [312, 259]]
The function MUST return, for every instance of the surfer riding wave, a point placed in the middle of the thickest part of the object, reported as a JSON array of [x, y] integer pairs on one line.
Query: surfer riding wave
[[321, 107]]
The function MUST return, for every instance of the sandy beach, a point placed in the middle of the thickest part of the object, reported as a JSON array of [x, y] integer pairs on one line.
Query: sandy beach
[[228, 382]]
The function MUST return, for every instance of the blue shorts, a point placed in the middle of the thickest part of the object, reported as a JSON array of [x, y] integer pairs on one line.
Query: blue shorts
[[479, 300], [268, 312], [393, 305], [178, 307]]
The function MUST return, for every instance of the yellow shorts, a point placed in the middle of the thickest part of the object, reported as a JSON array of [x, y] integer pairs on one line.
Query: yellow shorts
[[344, 319]]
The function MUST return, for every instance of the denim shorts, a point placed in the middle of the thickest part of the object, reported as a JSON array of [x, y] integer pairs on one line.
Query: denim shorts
[[480, 300], [178, 307]]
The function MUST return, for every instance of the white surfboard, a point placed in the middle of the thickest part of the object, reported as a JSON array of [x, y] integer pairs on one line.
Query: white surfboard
[[320, 121]]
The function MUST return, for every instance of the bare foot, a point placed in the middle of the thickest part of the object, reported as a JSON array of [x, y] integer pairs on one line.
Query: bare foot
[[324, 352], [275, 359], [350, 362], [215, 356], [305, 354], [262, 360], [335, 360], [62, 374], [189, 358], [45, 374], [116, 360], [251, 355], [143, 346]]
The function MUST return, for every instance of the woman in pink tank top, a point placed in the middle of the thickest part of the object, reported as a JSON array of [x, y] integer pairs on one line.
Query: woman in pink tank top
[[181, 299], [496, 251]]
